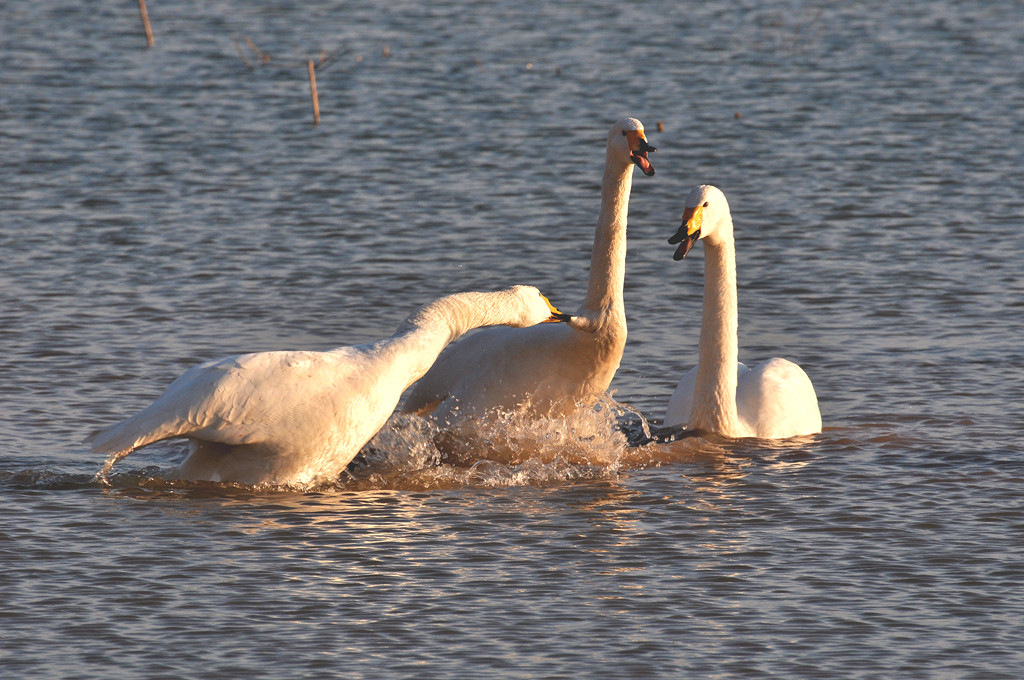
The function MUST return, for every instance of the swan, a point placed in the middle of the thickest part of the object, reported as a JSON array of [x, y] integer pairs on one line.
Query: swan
[[720, 395], [548, 370], [288, 417]]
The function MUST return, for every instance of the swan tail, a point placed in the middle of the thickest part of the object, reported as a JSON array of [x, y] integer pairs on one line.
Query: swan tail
[[121, 439], [144, 428], [133, 433]]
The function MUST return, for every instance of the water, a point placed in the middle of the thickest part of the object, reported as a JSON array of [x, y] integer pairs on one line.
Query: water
[[163, 207]]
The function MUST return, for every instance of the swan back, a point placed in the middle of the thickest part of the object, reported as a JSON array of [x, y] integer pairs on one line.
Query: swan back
[[776, 399]]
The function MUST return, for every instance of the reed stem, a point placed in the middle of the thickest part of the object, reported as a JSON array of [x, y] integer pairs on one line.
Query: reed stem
[[145, 23]]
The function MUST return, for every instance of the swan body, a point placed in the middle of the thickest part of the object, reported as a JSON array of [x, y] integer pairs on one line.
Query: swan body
[[550, 369], [773, 400], [289, 417]]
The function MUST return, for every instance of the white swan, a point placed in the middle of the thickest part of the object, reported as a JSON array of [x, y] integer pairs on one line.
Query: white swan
[[550, 368], [775, 399], [289, 417]]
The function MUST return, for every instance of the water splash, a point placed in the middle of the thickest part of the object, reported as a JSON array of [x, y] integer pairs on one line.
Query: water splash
[[511, 448], [630, 427], [515, 448], [103, 476]]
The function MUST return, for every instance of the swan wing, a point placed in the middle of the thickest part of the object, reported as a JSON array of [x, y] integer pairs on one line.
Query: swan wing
[[236, 400], [679, 405], [777, 399]]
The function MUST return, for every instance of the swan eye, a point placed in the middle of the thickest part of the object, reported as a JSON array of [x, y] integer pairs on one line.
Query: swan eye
[[705, 204]]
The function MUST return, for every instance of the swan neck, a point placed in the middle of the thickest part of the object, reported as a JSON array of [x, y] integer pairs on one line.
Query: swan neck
[[608, 257], [449, 317], [715, 396], [421, 337]]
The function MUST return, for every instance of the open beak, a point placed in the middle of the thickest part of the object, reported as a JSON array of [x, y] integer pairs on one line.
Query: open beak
[[638, 150], [556, 315], [689, 231]]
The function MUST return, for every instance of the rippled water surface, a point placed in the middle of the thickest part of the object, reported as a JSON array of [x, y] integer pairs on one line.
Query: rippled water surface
[[160, 207]]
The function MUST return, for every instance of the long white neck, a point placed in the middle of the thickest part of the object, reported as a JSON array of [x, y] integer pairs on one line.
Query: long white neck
[[414, 347], [608, 258], [714, 399]]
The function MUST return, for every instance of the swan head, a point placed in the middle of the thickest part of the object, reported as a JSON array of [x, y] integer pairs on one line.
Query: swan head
[[535, 308], [706, 215], [628, 139]]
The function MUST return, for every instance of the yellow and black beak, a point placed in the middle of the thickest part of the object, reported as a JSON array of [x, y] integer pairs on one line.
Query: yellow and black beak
[[689, 231], [556, 315], [638, 150]]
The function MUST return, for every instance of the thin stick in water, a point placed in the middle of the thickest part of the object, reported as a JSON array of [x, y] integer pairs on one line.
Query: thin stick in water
[[312, 88], [145, 22]]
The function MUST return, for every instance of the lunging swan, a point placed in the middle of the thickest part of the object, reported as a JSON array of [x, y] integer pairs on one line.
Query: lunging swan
[[721, 395], [290, 417], [550, 368]]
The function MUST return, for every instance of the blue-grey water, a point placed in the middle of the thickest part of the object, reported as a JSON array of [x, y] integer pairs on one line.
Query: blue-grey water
[[160, 207]]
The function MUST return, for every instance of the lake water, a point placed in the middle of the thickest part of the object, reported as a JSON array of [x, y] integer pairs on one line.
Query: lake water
[[161, 207]]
